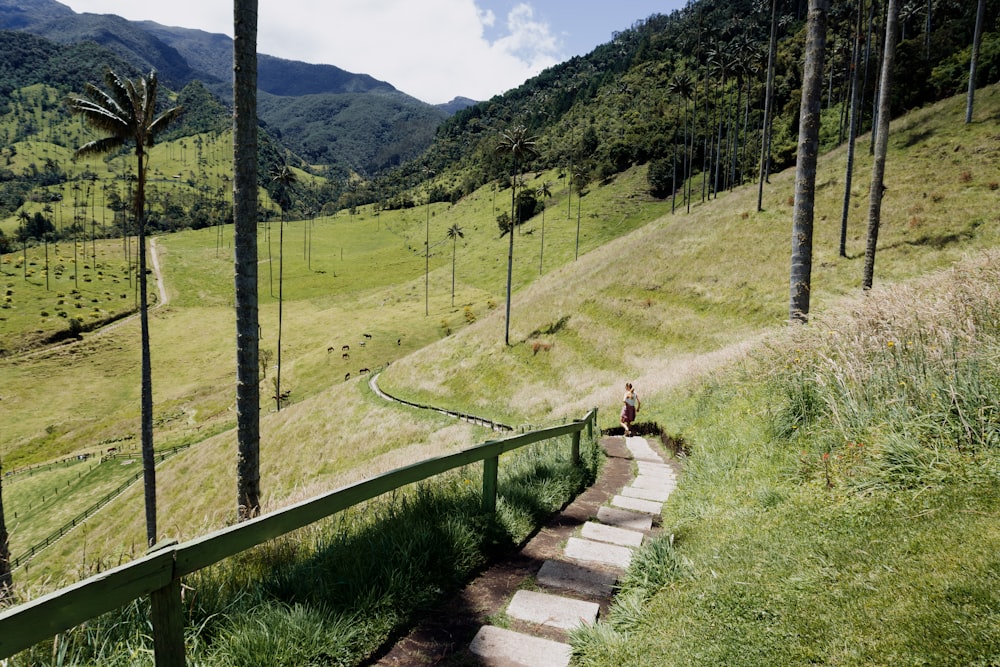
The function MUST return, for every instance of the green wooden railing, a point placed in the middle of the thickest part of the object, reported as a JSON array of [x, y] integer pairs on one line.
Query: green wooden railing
[[158, 574]]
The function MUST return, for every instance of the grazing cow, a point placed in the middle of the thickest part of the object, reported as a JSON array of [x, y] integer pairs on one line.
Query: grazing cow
[[399, 341], [329, 349], [368, 336], [345, 348], [347, 377], [363, 371], [346, 355], [362, 343]]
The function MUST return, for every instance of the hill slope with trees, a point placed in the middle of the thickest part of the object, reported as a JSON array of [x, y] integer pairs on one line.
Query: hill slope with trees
[[823, 467]]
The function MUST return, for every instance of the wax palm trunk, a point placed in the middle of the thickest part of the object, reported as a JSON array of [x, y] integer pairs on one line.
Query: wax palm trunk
[[881, 144], [245, 223], [805, 171], [6, 582]]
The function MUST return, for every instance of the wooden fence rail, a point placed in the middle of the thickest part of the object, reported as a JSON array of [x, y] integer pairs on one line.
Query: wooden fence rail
[[158, 573], [58, 533]]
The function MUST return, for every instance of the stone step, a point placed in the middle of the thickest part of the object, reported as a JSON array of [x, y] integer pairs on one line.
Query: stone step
[[652, 467], [600, 532], [621, 518], [651, 482], [641, 450], [637, 505], [598, 552], [664, 477], [579, 577], [554, 611], [656, 495], [499, 647]]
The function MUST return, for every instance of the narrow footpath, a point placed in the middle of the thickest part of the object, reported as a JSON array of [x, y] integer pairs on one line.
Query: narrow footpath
[[519, 612]]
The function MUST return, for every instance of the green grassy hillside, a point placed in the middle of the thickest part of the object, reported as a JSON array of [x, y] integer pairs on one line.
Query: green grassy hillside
[[656, 305], [654, 297]]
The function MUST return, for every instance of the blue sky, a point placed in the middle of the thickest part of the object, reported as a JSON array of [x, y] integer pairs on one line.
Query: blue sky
[[434, 50]]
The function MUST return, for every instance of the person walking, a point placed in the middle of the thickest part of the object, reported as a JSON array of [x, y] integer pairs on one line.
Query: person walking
[[630, 406]]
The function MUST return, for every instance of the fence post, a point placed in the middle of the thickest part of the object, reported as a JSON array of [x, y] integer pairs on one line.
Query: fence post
[[167, 617], [576, 447], [491, 467]]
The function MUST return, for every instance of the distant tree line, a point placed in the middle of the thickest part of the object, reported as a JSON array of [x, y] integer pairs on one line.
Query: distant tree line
[[685, 94]]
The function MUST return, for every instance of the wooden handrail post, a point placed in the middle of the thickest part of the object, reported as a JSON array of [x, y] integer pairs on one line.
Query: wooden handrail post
[[491, 468], [167, 616], [576, 447], [590, 423]]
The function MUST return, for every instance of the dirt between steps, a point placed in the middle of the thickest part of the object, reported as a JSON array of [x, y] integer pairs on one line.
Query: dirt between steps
[[442, 638]]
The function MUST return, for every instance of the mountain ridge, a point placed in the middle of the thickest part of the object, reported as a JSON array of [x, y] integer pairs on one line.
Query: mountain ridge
[[181, 56]]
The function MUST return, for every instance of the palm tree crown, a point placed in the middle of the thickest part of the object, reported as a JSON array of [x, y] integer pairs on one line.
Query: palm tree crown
[[126, 113]]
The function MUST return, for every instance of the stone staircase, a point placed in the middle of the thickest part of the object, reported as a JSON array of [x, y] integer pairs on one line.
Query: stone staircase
[[574, 586]]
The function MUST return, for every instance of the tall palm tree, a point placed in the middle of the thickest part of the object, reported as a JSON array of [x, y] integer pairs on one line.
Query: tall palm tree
[[805, 170], [6, 581], [25, 219], [974, 63], [454, 233], [284, 179], [428, 174], [126, 113], [852, 129], [245, 241], [544, 190], [579, 183], [682, 86], [521, 146], [881, 143], [765, 135]]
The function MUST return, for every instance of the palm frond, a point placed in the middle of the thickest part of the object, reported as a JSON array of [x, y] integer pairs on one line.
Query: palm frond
[[162, 121], [101, 146], [100, 117]]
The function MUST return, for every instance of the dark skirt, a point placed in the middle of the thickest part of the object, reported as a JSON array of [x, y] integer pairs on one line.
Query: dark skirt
[[628, 414]]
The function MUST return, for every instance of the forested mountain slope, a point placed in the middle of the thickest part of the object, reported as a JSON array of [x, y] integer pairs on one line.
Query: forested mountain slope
[[182, 56]]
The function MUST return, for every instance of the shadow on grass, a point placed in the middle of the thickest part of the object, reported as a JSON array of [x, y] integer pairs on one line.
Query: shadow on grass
[[373, 572], [676, 445]]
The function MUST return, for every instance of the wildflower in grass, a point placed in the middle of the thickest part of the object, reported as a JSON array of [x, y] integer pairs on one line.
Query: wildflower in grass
[[890, 344]]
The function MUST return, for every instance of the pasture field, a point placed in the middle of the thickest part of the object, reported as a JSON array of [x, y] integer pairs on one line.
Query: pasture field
[[673, 302]]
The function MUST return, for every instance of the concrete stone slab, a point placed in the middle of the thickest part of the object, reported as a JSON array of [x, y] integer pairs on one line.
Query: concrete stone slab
[[600, 532], [614, 516], [658, 495], [665, 475], [650, 482], [554, 611], [641, 450], [637, 505], [598, 552], [590, 581], [653, 467], [500, 647]]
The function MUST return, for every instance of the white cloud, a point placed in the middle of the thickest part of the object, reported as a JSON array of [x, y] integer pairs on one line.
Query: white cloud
[[432, 49]]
